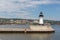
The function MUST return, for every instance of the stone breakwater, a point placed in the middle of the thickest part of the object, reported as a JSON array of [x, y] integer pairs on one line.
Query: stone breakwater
[[24, 30]]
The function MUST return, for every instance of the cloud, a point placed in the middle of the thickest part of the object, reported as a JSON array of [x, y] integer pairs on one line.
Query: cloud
[[20, 8], [45, 2]]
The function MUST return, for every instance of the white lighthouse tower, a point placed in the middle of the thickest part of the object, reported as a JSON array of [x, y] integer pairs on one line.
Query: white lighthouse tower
[[41, 16]]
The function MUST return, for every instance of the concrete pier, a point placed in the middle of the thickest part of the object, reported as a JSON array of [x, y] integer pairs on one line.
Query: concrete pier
[[21, 30], [42, 28]]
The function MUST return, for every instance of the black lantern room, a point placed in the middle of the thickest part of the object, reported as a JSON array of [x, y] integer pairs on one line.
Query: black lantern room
[[41, 14]]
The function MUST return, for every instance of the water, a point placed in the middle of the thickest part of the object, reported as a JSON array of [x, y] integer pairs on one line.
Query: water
[[31, 36]]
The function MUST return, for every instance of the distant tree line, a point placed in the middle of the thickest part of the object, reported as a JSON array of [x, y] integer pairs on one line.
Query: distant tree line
[[45, 21], [52, 22]]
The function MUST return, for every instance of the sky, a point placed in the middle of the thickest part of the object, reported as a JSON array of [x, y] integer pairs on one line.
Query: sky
[[30, 9]]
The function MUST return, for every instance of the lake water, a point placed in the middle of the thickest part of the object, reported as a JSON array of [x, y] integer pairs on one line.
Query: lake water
[[31, 36]]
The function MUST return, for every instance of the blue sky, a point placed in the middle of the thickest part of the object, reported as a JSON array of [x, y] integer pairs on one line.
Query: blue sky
[[30, 9]]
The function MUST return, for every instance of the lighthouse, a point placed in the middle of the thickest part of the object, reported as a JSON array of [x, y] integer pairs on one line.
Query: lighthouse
[[41, 16], [41, 27]]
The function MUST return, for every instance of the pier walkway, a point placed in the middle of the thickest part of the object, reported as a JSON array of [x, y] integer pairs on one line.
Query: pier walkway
[[22, 30]]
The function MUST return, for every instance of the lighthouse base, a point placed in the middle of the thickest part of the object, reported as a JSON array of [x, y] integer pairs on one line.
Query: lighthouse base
[[42, 28]]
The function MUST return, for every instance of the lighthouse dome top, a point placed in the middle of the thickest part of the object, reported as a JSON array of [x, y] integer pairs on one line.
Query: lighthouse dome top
[[41, 14]]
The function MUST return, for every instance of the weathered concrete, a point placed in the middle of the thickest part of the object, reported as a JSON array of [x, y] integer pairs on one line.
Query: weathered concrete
[[20, 30], [41, 28], [32, 29]]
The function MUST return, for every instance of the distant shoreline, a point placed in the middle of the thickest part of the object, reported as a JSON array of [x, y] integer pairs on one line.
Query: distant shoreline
[[4, 21]]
